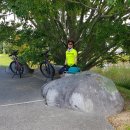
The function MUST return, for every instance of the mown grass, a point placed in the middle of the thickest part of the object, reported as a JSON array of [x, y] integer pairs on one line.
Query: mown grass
[[127, 128], [5, 60]]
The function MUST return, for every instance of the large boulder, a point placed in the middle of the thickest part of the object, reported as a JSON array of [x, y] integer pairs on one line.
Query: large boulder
[[86, 91]]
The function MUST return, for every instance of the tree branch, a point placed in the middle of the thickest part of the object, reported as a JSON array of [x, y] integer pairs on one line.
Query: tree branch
[[35, 25], [60, 28], [81, 4]]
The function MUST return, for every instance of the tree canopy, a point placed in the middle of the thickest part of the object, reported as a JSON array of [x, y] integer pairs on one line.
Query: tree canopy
[[98, 28]]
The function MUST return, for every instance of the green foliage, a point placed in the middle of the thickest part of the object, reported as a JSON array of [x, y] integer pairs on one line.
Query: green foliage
[[5, 47], [95, 26], [6, 31]]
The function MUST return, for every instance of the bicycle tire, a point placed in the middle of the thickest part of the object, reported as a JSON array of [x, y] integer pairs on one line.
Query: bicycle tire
[[47, 70], [20, 71], [13, 68]]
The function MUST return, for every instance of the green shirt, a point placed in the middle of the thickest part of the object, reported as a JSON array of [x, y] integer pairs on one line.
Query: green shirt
[[71, 56]]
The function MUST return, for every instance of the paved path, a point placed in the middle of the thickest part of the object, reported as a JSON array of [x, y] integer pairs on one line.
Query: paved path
[[22, 108]]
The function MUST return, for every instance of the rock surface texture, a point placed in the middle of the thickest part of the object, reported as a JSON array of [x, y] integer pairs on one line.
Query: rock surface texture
[[86, 91]]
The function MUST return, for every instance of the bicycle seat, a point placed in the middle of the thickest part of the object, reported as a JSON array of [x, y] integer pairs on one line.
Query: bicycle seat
[[15, 53], [46, 52]]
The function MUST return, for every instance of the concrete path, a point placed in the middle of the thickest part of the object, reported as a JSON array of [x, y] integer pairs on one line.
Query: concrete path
[[22, 108]]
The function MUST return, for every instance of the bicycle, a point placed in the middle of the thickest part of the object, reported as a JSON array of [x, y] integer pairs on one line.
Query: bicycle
[[46, 67], [15, 66]]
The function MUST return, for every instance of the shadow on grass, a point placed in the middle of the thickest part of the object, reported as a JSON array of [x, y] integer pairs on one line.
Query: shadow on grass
[[127, 86]]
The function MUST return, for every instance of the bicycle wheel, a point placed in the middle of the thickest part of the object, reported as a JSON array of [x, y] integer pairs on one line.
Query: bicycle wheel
[[15, 68], [20, 70], [47, 70]]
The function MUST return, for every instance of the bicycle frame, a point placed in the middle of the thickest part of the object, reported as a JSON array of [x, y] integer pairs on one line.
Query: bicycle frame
[[46, 67], [15, 66]]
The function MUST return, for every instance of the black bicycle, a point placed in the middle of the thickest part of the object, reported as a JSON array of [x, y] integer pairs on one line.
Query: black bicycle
[[15, 66], [46, 67]]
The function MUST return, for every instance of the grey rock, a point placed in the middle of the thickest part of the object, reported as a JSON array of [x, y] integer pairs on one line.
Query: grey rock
[[86, 91]]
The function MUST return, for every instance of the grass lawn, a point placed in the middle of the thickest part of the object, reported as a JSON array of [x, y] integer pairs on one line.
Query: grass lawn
[[5, 60]]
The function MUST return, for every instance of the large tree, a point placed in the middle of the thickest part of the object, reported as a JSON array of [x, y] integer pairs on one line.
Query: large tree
[[97, 27]]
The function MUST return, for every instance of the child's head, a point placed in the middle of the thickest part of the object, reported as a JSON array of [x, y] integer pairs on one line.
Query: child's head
[[70, 43]]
